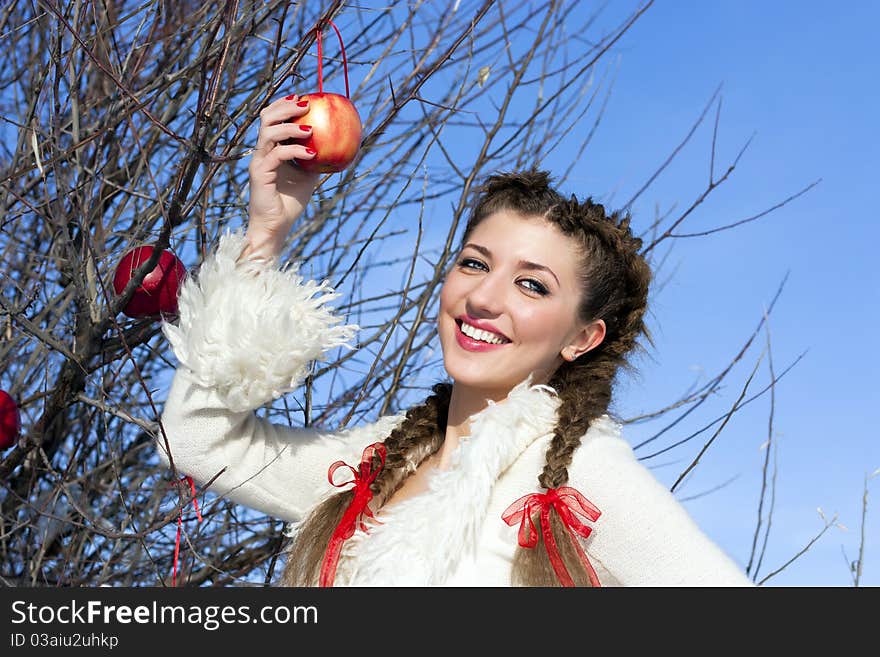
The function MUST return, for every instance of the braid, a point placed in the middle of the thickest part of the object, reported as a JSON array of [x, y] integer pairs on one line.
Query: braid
[[614, 280], [584, 396], [419, 436], [416, 438]]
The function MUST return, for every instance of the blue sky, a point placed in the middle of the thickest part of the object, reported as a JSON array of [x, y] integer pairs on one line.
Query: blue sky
[[800, 78]]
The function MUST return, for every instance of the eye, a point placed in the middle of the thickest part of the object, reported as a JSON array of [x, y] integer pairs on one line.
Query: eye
[[472, 263], [534, 286]]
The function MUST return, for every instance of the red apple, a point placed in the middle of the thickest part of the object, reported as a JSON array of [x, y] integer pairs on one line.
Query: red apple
[[158, 292], [10, 420], [336, 132]]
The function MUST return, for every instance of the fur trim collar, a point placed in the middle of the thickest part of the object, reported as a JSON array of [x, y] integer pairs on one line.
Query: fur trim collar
[[422, 539]]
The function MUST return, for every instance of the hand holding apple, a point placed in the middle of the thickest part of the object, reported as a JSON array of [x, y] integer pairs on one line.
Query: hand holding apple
[[279, 191], [300, 137]]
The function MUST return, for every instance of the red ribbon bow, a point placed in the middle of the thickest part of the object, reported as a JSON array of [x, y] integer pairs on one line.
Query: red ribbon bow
[[353, 517], [569, 503], [192, 488]]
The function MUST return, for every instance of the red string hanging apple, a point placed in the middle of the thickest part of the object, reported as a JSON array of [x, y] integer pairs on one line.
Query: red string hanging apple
[[157, 294], [10, 420], [336, 125]]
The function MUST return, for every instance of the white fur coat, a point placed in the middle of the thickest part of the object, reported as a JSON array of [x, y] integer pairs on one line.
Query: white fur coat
[[245, 334]]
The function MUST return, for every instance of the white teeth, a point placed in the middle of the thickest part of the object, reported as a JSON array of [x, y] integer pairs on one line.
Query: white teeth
[[480, 334]]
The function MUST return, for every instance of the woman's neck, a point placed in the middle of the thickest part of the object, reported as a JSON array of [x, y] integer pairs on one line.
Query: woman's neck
[[464, 403]]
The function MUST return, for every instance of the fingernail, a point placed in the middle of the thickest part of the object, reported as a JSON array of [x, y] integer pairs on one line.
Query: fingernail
[[291, 97], [311, 151], [303, 103], [304, 127]]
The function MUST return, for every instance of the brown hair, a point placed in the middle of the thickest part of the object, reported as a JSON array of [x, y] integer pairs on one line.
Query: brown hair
[[615, 280]]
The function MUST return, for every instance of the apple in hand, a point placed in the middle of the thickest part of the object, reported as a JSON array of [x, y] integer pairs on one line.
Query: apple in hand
[[10, 420], [336, 132], [158, 291]]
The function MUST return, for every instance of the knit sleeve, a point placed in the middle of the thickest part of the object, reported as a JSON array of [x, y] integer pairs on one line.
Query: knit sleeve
[[273, 468], [245, 334], [644, 537]]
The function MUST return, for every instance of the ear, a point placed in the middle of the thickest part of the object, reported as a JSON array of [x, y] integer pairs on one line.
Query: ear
[[587, 338]]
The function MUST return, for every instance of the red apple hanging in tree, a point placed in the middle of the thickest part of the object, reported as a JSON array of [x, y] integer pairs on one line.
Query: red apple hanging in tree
[[158, 291], [10, 420], [336, 124], [336, 132]]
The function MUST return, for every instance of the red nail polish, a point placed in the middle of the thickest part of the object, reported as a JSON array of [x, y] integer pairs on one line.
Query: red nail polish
[[303, 103], [291, 97], [304, 127], [311, 151]]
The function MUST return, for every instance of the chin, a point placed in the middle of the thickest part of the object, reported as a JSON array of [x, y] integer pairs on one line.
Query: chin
[[471, 376], [470, 371]]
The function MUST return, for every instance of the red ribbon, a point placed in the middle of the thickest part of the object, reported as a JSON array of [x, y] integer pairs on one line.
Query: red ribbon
[[569, 503], [192, 488], [318, 30], [353, 517]]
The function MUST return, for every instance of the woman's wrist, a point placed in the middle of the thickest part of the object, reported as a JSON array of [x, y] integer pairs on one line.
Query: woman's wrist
[[261, 245]]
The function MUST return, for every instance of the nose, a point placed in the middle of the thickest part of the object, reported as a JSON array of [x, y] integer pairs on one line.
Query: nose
[[486, 298]]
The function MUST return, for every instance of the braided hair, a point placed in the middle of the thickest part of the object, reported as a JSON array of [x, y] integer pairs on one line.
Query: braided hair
[[614, 281]]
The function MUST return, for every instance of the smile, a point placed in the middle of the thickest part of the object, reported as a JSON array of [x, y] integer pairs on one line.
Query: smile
[[474, 339]]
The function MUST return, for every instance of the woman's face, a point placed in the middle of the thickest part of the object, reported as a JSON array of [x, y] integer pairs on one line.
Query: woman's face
[[508, 307]]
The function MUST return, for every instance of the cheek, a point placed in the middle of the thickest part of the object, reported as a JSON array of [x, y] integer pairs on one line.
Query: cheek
[[541, 324], [445, 293], [534, 323], [450, 293], [447, 309]]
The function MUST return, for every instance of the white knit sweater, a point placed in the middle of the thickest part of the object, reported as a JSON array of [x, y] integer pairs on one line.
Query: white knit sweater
[[245, 334]]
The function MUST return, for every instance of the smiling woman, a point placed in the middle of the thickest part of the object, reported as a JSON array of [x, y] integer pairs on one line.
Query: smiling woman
[[492, 481], [513, 294]]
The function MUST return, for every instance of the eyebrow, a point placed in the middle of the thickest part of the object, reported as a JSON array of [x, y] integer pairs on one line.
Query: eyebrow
[[526, 264]]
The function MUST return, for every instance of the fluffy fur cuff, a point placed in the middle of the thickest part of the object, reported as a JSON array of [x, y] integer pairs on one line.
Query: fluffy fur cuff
[[248, 329]]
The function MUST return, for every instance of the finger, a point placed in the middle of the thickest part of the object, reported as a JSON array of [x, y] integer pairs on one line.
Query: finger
[[283, 131], [283, 153], [278, 113], [280, 134], [284, 109]]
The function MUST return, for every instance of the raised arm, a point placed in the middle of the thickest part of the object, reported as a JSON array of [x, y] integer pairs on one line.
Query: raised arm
[[245, 335]]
